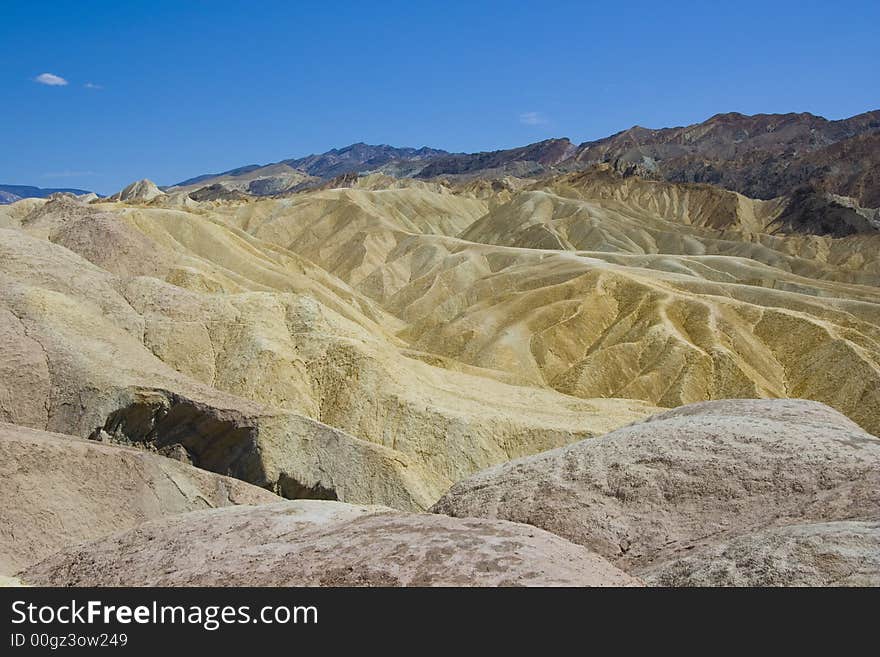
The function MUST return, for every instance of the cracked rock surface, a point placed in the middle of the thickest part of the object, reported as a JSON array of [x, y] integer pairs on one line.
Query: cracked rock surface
[[683, 495], [314, 543]]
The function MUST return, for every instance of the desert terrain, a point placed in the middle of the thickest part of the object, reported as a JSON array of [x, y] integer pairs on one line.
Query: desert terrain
[[558, 365]]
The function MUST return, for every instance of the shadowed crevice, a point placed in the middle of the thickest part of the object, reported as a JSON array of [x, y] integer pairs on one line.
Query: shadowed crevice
[[220, 440], [292, 489]]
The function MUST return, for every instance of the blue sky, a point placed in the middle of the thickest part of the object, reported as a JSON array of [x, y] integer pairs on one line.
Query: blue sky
[[184, 88]]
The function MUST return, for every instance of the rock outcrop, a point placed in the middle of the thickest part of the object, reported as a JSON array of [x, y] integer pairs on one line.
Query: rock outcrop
[[667, 495], [326, 544], [840, 553], [60, 490], [140, 191]]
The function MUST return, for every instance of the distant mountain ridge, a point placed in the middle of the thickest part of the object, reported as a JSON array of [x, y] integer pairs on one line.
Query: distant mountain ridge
[[12, 193], [355, 158], [533, 158], [762, 156], [360, 157], [208, 176]]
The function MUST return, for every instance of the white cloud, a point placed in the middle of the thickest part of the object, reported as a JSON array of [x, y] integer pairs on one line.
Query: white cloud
[[92, 85], [532, 118], [50, 79]]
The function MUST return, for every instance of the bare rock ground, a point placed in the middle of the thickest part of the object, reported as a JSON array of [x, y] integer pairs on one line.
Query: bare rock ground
[[320, 543], [840, 553], [711, 478]]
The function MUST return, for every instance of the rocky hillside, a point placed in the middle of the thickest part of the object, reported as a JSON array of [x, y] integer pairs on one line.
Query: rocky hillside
[[327, 544], [533, 159], [363, 157], [312, 170], [703, 495], [762, 156]]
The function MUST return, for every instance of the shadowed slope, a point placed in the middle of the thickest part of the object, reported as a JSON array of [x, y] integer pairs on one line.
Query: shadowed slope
[[60, 490]]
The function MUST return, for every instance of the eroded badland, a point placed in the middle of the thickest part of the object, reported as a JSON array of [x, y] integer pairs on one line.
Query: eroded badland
[[378, 341]]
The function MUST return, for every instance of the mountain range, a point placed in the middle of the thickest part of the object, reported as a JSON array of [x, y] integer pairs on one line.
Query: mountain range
[[761, 156], [13, 193]]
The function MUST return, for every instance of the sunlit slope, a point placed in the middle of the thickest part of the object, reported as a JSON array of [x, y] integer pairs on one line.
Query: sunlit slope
[[601, 212], [352, 232], [115, 317], [666, 293], [425, 330], [589, 328]]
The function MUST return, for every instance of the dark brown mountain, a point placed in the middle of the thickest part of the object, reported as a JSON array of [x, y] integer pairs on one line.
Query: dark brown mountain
[[357, 158], [526, 160], [761, 156], [850, 167], [360, 157], [814, 212], [217, 192]]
